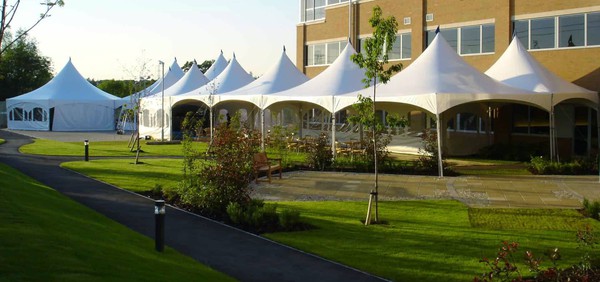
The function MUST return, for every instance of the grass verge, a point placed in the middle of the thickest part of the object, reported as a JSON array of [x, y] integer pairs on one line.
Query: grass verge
[[47, 237], [2, 141], [138, 178], [426, 240], [102, 148]]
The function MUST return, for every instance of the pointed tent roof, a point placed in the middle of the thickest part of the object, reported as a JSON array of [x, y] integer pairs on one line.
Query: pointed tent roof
[[517, 68], [217, 67], [66, 87], [233, 77], [193, 79], [342, 76], [281, 76], [440, 79], [174, 74]]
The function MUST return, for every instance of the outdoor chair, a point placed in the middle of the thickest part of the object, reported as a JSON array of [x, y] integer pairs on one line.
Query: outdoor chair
[[267, 165]]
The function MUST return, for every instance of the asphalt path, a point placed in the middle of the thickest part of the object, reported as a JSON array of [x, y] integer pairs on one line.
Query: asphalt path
[[242, 255]]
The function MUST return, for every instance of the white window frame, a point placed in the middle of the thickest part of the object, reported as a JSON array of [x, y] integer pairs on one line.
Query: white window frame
[[556, 31]]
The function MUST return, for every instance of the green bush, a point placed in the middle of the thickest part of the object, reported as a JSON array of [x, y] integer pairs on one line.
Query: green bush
[[591, 209], [289, 220], [319, 155], [540, 165], [259, 217]]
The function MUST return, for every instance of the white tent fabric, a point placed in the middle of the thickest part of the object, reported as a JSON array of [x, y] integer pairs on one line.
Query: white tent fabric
[[281, 76], [68, 102], [192, 80], [217, 67], [342, 76], [231, 78], [174, 74], [440, 79], [517, 68]]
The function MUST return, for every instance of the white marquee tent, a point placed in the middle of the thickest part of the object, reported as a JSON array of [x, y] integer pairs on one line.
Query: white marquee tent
[[68, 102], [281, 76], [231, 78], [193, 79], [217, 67], [151, 124], [517, 68], [440, 79]]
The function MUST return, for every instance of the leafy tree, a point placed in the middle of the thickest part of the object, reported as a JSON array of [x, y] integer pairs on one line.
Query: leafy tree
[[22, 68], [119, 88], [8, 13], [373, 61], [210, 187], [203, 67]]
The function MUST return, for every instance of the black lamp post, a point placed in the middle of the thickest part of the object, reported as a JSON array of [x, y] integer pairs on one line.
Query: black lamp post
[[86, 145], [159, 217]]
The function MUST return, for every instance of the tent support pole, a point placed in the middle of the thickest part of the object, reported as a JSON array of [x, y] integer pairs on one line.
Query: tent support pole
[[598, 132], [551, 121], [301, 123], [439, 144], [333, 151], [262, 130]]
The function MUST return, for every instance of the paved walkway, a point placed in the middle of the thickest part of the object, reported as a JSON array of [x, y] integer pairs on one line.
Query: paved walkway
[[475, 191], [236, 253]]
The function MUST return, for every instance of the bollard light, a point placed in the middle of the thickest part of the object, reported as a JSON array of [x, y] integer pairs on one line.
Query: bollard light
[[159, 217], [86, 145]]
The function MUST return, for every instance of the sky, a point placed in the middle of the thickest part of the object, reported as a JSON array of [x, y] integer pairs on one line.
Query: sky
[[114, 39]]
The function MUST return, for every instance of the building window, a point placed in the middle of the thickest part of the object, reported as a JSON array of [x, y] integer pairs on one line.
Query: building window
[[467, 122], [312, 10], [559, 32], [542, 33], [571, 31], [324, 53], [593, 29], [402, 48], [470, 40], [477, 39], [530, 120]]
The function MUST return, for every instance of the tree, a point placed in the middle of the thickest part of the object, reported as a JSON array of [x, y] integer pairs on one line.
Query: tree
[[23, 69], [203, 67], [119, 88], [373, 61], [8, 13]]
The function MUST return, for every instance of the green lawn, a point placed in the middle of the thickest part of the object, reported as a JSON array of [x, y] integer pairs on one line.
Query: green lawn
[[2, 141], [138, 178], [47, 237], [428, 240], [102, 148], [423, 240]]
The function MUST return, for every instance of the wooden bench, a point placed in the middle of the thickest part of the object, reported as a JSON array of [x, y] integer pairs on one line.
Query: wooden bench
[[267, 165]]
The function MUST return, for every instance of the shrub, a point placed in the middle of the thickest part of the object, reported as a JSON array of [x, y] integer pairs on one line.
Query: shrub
[[319, 155], [258, 217], [511, 152], [289, 220], [209, 186], [503, 267], [540, 165], [591, 209]]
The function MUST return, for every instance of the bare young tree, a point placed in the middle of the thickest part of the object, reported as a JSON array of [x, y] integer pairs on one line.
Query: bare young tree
[[8, 13]]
